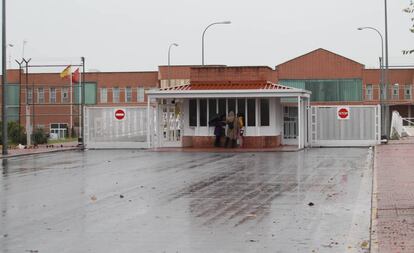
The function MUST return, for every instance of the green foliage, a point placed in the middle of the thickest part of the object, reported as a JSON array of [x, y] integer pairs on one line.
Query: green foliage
[[410, 11], [39, 136], [16, 133]]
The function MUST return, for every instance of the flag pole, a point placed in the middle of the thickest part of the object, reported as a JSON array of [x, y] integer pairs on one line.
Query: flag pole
[[80, 104]]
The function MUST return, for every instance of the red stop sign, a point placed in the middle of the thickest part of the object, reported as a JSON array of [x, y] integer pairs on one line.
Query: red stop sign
[[119, 114], [343, 113]]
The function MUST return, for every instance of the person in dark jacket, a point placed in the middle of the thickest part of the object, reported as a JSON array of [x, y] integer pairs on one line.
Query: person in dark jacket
[[218, 122]]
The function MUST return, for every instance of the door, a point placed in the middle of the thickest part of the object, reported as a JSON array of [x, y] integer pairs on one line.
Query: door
[[171, 124]]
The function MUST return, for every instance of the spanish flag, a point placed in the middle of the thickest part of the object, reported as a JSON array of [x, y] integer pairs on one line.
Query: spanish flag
[[66, 72]]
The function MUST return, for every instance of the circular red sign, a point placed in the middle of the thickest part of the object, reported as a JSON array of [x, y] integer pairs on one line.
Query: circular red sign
[[119, 114], [343, 113]]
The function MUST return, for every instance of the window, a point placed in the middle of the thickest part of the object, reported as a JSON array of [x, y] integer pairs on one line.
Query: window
[[65, 95], [115, 95], [222, 106], [395, 94], [368, 92], [40, 95], [264, 112], [231, 105], [212, 108], [407, 91], [141, 95], [193, 112], [104, 95], [251, 112], [29, 96], [52, 98], [241, 107], [60, 130], [203, 112], [128, 94]]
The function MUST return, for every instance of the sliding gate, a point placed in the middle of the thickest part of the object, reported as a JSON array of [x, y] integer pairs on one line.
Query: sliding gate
[[118, 127], [344, 125]]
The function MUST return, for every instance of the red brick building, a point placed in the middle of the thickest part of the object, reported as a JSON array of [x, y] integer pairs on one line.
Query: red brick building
[[333, 79]]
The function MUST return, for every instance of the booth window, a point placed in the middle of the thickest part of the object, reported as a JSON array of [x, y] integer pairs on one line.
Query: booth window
[[203, 112], [222, 106], [264, 112], [251, 112], [241, 107], [407, 91], [368, 92], [231, 105], [115, 95], [193, 112], [212, 108], [104, 95]]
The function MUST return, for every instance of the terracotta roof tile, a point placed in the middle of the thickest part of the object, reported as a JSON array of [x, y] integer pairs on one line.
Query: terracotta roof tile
[[230, 86]]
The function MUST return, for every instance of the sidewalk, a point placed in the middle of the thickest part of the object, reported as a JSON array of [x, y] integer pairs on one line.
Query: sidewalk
[[393, 198], [14, 152]]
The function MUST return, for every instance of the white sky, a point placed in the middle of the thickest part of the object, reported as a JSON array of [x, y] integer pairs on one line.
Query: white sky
[[134, 35]]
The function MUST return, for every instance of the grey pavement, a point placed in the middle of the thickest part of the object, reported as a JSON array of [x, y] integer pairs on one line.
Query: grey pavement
[[316, 200]]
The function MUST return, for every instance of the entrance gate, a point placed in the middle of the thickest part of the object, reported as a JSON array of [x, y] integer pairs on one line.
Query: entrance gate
[[329, 127], [125, 127], [170, 124]]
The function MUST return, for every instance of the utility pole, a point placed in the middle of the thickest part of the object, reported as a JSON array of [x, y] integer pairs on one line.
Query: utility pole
[[386, 76], [4, 82]]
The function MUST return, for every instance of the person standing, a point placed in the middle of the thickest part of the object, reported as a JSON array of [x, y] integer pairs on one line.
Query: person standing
[[232, 130], [241, 128], [219, 123]]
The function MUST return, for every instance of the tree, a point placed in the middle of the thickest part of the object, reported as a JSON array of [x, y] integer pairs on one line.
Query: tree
[[410, 11]]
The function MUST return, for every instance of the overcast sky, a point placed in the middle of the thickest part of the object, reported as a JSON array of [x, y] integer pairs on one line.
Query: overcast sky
[[134, 35]]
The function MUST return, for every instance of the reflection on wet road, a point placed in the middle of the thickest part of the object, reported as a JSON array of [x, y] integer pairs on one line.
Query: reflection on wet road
[[134, 201]]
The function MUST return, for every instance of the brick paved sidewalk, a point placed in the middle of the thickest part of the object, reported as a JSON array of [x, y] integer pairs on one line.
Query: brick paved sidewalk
[[393, 198], [41, 149]]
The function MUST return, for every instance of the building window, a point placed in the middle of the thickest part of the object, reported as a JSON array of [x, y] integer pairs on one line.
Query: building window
[[222, 106], [104, 95], [128, 94], [40, 95], [29, 96], [58, 131], [264, 112], [65, 95], [140, 95], [203, 112], [212, 108], [368, 92], [231, 105], [395, 94], [193, 112], [115, 95], [251, 112], [241, 108], [52, 97], [407, 91]]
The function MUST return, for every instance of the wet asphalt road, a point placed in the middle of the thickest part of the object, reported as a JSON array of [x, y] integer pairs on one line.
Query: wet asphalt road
[[137, 201]]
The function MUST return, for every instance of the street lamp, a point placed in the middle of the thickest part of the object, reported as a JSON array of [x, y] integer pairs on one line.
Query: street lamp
[[169, 62], [383, 85], [202, 42]]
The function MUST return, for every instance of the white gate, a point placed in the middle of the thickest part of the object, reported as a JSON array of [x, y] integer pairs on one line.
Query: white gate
[[117, 127], [361, 126]]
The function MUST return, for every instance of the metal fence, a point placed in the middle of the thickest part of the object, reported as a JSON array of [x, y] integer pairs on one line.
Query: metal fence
[[104, 130], [361, 128]]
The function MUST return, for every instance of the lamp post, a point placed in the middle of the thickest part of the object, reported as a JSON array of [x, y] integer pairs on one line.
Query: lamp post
[[387, 108], [202, 39], [4, 82], [383, 86], [169, 62]]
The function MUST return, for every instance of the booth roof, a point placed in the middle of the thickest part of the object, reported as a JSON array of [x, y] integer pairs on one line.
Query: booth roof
[[229, 86]]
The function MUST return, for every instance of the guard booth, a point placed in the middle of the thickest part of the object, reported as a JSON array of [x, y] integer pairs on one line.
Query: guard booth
[[182, 113]]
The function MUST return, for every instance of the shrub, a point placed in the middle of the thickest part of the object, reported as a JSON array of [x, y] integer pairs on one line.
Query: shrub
[[39, 136], [16, 133]]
